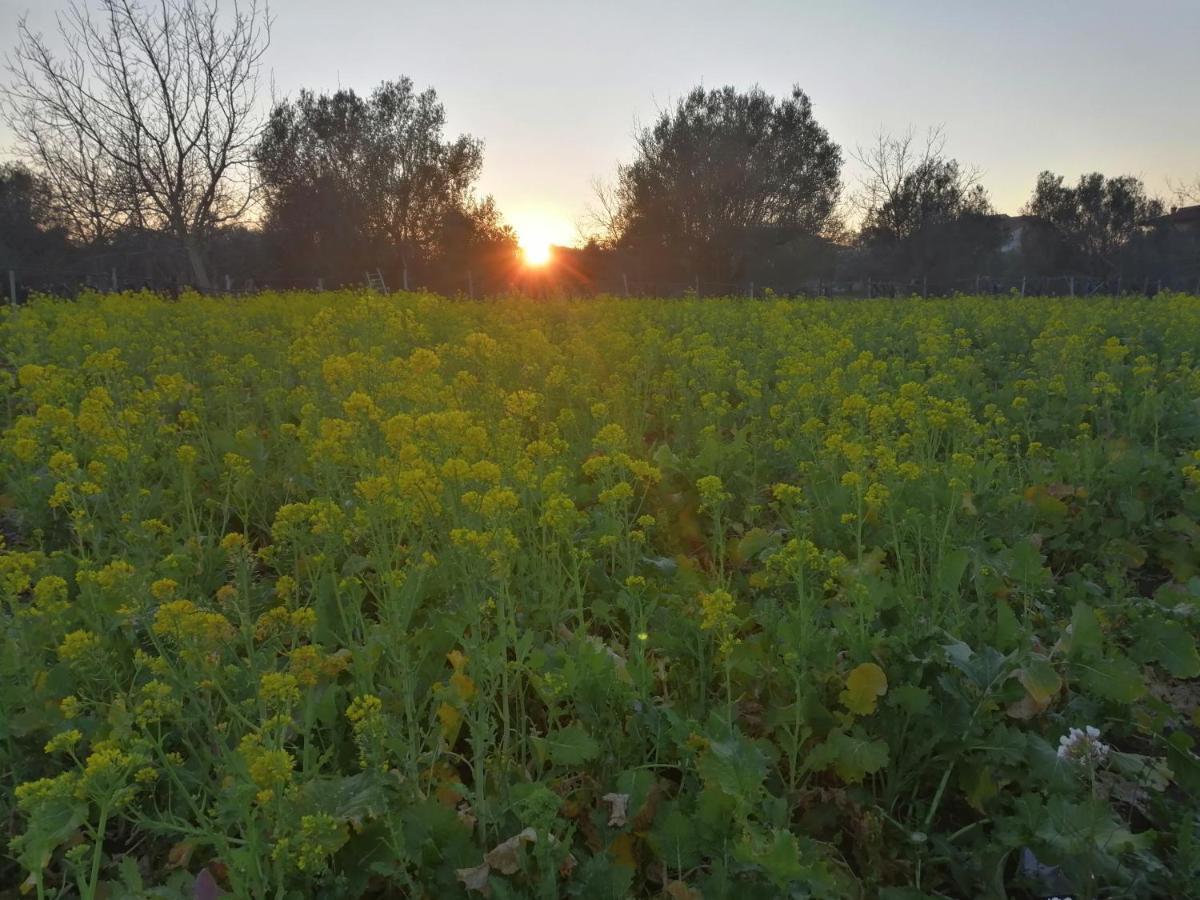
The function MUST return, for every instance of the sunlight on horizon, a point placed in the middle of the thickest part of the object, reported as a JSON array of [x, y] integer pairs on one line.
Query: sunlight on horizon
[[538, 232]]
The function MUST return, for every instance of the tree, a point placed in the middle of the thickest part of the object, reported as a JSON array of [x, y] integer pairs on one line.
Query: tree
[[27, 235], [908, 187], [145, 118], [719, 164], [1186, 193], [353, 183], [1097, 218], [924, 215]]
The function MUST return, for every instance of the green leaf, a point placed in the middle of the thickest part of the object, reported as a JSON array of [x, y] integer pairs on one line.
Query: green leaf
[[1169, 643], [674, 838], [910, 698], [778, 855], [1086, 638], [570, 746], [1115, 678], [54, 821], [735, 767], [1008, 629], [852, 756], [950, 571]]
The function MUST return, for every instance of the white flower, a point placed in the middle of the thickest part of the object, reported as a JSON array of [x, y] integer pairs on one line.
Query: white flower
[[1083, 745]]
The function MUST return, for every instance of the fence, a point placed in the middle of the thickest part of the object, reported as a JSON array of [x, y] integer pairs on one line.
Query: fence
[[1187, 280]]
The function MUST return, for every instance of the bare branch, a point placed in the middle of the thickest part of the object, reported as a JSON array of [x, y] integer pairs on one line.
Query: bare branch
[[147, 118]]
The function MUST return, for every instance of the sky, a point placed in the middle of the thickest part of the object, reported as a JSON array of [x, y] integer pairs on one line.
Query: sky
[[556, 90]]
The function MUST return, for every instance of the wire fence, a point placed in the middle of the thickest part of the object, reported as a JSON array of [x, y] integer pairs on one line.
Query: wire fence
[[20, 284]]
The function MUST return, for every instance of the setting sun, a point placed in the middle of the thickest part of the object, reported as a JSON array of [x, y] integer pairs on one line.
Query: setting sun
[[539, 231], [535, 252]]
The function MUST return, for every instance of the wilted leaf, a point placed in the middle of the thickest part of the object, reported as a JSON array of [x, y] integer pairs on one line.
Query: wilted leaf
[[1041, 680], [618, 805], [678, 890], [180, 855], [475, 878], [205, 886], [621, 851], [865, 684], [505, 857]]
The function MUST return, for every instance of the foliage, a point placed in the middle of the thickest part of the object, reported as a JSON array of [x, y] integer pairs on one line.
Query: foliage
[[349, 595], [353, 183], [1097, 217], [722, 168]]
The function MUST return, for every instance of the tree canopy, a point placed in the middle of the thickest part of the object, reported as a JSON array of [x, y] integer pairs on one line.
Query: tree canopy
[[354, 183], [717, 166], [1096, 218]]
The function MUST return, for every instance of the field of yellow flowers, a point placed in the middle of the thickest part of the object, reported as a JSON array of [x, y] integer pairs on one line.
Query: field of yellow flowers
[[345, 595]]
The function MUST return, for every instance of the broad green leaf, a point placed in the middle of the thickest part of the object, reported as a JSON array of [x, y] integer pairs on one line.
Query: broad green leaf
[[1114, 678], [52, 824], [1086, 639], [950, 571], [1008, 629], [570, 746], [1169, 643], [674, 838], [910, 698], [852, 756], [777, 854], [736, 767], [865, 684]]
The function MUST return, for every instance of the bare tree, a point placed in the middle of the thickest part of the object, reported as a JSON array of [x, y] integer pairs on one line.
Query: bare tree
[[1184, 192], [906, 183], [604, 218], [145, 118]]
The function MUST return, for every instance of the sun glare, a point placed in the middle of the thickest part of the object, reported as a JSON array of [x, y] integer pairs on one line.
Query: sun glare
[[536, 252], [538, 232]]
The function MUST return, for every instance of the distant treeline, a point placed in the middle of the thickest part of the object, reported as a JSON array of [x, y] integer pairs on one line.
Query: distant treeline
[[164, 177]]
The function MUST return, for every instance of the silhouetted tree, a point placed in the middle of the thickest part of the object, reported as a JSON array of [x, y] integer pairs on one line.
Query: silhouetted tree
[[1096, 219], [910, 186], [146, 118], [354, 183], [28, 239], [1186, 193], [719, 164], [924, 215]]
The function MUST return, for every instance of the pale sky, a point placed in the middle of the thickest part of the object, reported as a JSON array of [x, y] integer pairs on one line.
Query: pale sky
[[556, 90]]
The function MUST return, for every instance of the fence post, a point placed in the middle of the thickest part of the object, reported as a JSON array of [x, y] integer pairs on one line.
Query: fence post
[[625, 281], [405, 276], [470, 285], [1022, 285], [12, 287], [868, 287], [752, 290], [114, 279], [320, 284], [228, 283], [1072, 280], [924, 286]]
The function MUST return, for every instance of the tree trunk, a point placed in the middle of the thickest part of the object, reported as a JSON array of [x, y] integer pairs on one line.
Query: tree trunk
[[199, 268]]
